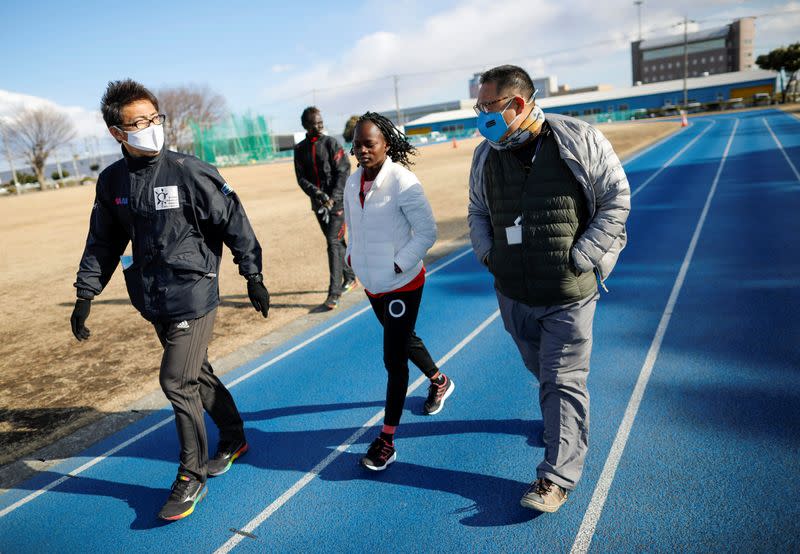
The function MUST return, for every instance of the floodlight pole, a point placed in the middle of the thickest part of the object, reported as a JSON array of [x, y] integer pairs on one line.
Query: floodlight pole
[[639, 9], [685, 60]]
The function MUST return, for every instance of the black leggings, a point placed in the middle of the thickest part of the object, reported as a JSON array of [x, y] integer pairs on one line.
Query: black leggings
[[397, 312]]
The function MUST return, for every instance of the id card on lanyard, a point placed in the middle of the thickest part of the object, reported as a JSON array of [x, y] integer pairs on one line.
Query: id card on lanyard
[[514, 232]]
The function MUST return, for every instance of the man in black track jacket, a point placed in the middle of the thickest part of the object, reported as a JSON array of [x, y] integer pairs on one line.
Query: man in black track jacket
[[322, 168], [176, 212]]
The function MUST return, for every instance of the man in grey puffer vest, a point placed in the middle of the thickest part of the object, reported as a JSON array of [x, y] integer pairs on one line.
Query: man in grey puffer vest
[[547, 211]]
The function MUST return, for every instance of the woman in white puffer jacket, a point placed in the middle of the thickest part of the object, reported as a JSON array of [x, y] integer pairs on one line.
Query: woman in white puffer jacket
[[391, 228]]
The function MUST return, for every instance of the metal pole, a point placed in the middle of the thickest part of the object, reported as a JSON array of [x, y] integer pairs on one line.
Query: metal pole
[[75, 165], [685, 60], [396, 101], [58, 167], [10, 161], [639, 9]]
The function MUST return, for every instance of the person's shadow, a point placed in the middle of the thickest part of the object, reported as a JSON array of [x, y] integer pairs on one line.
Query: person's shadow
[[494, 501]]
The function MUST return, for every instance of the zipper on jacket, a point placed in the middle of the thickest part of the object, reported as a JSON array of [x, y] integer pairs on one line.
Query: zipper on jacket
[[314, 160], [600, 280]]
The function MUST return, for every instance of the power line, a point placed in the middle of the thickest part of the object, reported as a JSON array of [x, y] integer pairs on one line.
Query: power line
[[627, 37]]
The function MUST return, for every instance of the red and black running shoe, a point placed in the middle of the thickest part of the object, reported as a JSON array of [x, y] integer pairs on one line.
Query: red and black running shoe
[[379, 455]]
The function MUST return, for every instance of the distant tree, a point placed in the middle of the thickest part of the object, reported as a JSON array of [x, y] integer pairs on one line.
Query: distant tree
[[56, 175], [787, 59], [185, 105], [24, 178], [34, 134], [350, 128], [94, 167]]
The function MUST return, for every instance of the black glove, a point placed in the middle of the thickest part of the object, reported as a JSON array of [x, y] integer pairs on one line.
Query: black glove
[[258, 293], [321, 198], [78, 320]]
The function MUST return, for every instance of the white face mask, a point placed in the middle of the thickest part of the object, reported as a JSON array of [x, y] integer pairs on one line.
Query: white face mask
[[150, 139]]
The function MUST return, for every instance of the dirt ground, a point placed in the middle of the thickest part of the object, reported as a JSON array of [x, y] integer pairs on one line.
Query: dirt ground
[[51, 384]]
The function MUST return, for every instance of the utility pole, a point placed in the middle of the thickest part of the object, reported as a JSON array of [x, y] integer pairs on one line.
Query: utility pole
[[396, 101], [10, 161], [75, 164], [638, 4], [60, 171]]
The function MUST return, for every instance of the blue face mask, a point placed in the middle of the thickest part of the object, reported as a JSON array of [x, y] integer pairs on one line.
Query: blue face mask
[[492, 125]]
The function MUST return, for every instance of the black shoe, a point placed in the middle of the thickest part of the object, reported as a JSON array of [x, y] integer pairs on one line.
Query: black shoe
[[332, 302], [437, 394], [379, 455], [227, 452], [186, 493], [349, 284]]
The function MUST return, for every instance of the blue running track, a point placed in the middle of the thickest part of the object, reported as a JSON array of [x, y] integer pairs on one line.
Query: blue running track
[[695, 384]]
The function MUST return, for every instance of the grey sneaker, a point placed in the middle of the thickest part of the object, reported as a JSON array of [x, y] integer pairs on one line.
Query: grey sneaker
[[544, 496]]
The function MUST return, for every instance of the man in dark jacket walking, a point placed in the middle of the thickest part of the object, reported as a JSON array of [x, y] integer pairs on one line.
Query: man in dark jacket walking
[[176, 212], [548, 202], [322, 168]]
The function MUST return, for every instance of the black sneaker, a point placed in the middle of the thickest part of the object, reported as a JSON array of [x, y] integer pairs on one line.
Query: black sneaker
[[379, 455], [186, 493], [332, 302], [227, 452], [437, 394], [349, 284]]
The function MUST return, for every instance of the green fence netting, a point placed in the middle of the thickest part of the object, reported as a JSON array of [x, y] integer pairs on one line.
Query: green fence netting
[[236, 140]]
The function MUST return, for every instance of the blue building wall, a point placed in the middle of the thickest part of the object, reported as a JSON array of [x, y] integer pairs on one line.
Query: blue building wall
[[645, 101], [659, 100]]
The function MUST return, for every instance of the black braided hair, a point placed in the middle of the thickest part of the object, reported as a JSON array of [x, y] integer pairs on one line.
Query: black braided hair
[[399, 147]]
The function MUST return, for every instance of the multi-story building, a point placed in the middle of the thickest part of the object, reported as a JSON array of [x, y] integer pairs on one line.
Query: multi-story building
[[720, 50]]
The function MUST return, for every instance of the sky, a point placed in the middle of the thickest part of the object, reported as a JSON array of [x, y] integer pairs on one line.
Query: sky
[[275, 58]]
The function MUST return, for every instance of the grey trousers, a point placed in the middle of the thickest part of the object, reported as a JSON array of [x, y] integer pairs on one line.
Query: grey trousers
[[555, 343], [189, 383]]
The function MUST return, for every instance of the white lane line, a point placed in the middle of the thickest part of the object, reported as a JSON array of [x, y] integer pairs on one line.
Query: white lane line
[[84, 467], [330, 329], [780, 146], [595, 508], [656, 144], [22, 501], [308, 477], [672, 159]]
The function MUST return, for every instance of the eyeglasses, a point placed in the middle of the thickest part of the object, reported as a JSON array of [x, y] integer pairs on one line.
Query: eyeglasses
[[484, 106], [144, 123]]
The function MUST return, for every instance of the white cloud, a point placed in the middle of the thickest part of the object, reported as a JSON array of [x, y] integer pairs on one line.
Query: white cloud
[[87, 123], [547, 37], [540, 35]]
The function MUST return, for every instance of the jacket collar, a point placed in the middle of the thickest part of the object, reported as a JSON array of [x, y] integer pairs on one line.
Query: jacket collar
[[386, 169], [137, 163]]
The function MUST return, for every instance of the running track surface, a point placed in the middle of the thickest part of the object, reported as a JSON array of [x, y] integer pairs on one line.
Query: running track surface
[[695, 405]]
